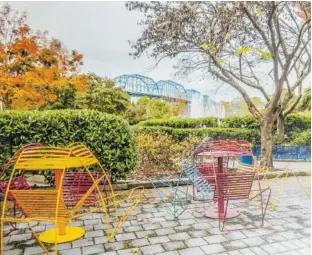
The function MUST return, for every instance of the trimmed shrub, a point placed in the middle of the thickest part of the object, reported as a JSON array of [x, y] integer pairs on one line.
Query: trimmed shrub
[[182, 122], [108, 136], [178, 135], [303, 138], [159, 154], [247, 122], [295, 123]]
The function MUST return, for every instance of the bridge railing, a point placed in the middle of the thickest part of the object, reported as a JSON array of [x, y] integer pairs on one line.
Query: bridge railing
[[287, 152]]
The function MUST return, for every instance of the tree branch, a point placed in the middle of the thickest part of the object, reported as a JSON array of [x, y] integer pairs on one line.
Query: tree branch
[[295, 103], [252, 108], [258, 28], [292, 54]]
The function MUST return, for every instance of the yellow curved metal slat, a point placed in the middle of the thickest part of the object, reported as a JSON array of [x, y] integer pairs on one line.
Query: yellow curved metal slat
[[46, 158]]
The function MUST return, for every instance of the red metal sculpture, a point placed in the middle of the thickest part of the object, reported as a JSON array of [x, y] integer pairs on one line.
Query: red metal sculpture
[[228, 185]]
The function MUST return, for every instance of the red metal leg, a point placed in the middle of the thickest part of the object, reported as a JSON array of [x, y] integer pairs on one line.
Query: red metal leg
[[214, 214], [219, 214]]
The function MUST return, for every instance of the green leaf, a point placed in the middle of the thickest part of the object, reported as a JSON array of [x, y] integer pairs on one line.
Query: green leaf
[[208, 47], [221, 60], [204, 46], [242, 50], [264, 54]]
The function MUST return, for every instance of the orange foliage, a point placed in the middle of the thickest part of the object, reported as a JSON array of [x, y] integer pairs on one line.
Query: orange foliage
[[32, 67]]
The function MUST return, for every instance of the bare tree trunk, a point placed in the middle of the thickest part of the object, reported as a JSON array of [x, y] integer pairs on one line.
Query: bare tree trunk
[[280, 128], [266, 142]]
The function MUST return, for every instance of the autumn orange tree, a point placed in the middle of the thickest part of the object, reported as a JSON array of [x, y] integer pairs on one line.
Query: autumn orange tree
[[32, 68]]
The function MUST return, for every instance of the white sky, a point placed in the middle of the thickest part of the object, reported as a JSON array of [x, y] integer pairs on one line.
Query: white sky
[[100, 31]]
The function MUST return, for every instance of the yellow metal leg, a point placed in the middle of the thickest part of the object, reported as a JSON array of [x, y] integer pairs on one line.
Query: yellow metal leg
[[71, 233], [61, 227]]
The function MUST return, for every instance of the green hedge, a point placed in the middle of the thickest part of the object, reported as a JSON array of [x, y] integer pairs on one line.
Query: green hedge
[[177, 134], [182, 122], [108, 136], [247, 122], [303, 138], [294, 123]]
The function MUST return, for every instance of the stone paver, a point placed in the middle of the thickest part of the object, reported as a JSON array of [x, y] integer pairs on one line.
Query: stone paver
[[150, 229], [159, 239], [94, 233], [14, 252], [123, 237], [128, 251], [139, 242], [253, 241], [170, 246], [191, 251], [71, 251], [194, 242], [152, 249], [234, 245], [83, 242], [215, 239], [213, 248], [146, 234], [133, 228], [114, 246], [168, 253], [33, 250], [19, 238], [93, 249], [179, 236], [165, 231], [151, 226]]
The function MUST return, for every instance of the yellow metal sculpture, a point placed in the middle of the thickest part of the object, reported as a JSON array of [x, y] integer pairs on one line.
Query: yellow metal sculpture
[[304, 183], [267, 180], [50, 205], [279, 180]]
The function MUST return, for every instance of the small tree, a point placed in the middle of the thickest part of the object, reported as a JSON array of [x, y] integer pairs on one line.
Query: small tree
[[104, 96], [234, 42], [158, 109], [178, 108], [147, 108], [65, 99]]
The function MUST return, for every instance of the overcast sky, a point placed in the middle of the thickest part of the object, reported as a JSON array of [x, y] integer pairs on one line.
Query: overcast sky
[[100, 31]]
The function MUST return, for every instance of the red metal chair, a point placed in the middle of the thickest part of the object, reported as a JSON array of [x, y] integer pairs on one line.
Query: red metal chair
[[76, 184], [208, 171], [237, 186], [18, 183]]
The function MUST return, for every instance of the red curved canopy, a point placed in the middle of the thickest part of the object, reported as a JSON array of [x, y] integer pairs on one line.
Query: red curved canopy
[[223, 148]]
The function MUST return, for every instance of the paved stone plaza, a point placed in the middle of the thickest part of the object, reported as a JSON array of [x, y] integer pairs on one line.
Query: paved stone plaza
[[152, 230]]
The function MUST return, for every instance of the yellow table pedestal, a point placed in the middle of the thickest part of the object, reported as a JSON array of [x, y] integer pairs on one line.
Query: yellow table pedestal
[[71, 233]]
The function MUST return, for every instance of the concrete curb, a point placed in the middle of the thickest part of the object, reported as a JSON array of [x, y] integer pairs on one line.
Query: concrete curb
[[129, 184], [292, 160], [124, 185]]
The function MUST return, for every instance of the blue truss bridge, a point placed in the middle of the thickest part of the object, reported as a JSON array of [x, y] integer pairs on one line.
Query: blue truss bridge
[[198, 105], [138, 85]]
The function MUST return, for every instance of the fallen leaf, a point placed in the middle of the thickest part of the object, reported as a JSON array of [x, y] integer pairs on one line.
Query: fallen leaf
[[134, 250], [227, 36]]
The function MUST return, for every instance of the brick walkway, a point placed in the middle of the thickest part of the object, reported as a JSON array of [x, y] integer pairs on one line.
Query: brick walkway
[[152, 230]]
